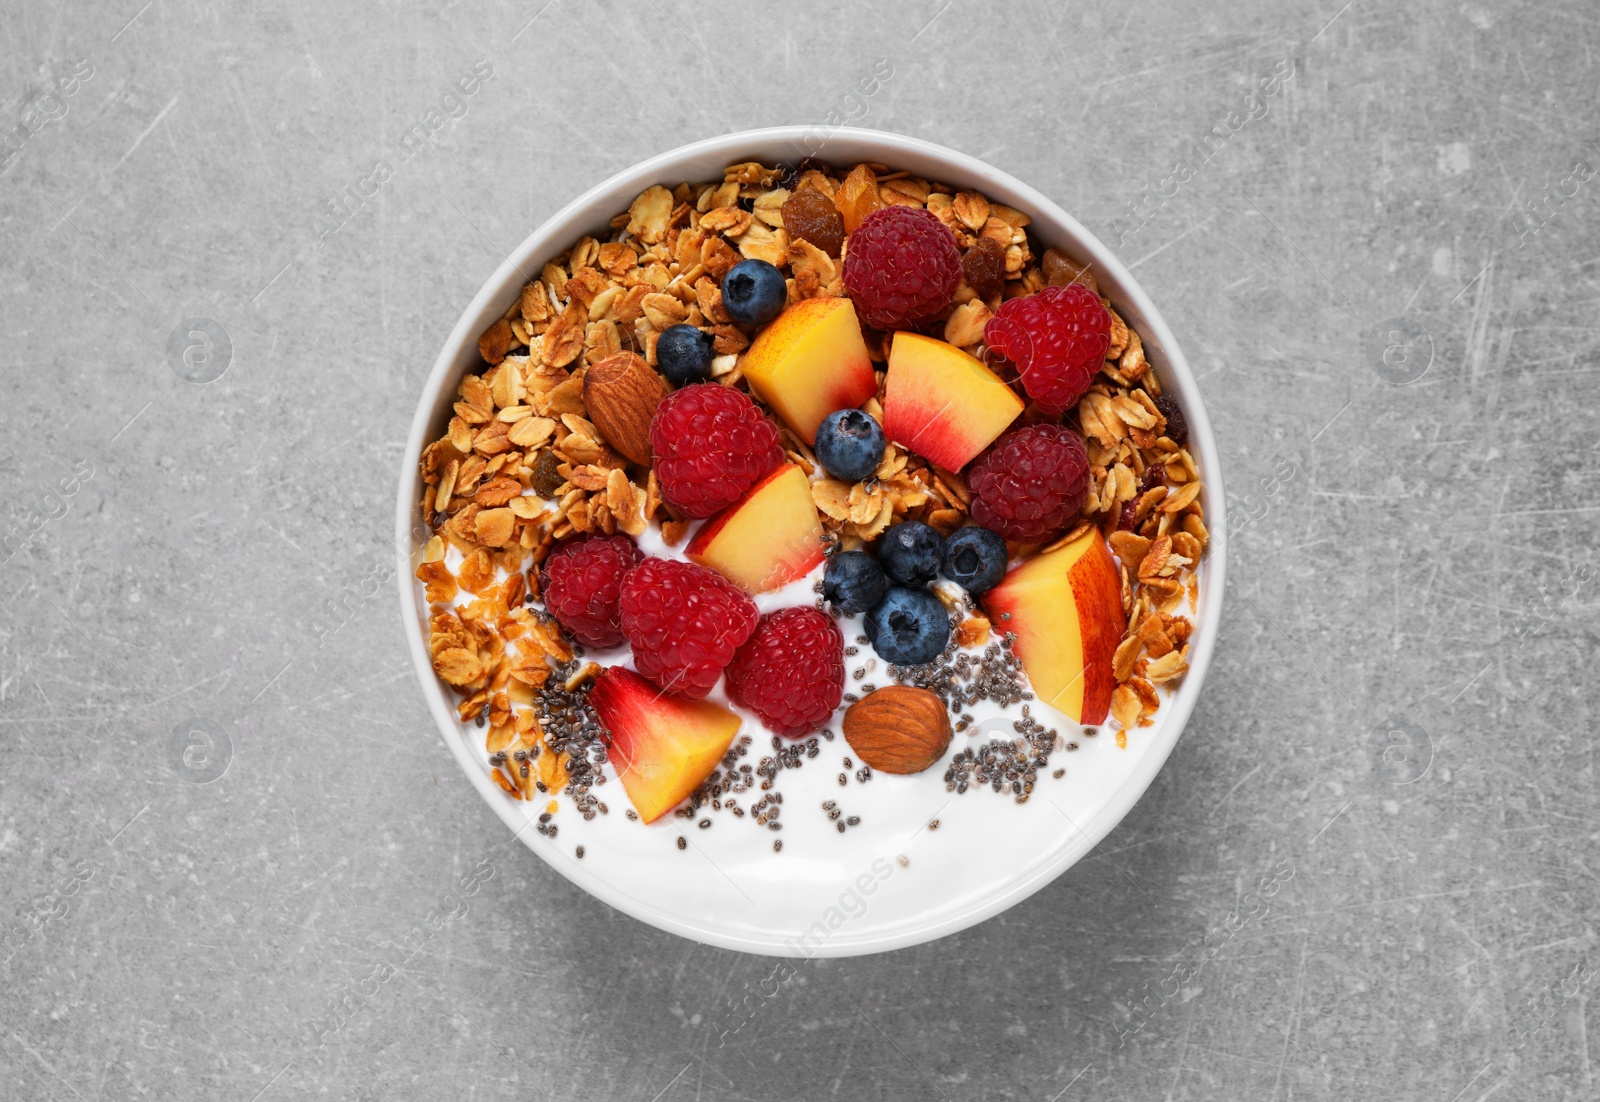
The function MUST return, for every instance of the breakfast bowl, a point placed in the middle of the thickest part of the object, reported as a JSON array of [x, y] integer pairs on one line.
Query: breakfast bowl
[[926, 794]]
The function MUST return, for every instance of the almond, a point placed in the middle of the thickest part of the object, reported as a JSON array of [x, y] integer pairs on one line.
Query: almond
[[622, 392], [898, 729]]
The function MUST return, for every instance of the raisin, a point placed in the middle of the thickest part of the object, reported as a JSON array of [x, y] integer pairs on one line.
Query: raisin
[[1125, 518], [811, 214], [984, 267], [546, 479], [1177, 427]]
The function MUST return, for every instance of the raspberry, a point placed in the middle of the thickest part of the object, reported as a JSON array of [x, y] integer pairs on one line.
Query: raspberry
[[791, 671], [711, 444], [901, 266], [582, 583], [1058, 338], [684, 622], [1031, 483]]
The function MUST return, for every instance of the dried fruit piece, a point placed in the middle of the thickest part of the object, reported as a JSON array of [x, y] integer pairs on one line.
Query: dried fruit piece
[[812, 215], [1177, 429], [857, 197], [898, 729], [546, 477], [1059, 271], [984, 267]]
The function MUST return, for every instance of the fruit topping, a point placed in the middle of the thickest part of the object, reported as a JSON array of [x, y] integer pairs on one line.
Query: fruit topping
[[1058, 339], [547, 478], [754, 292], [911, 553], [857, 197], [901, 267], [975, 558], [1033, 482], [711, 444], [684, 621], [850, 444], [768, 538], [908, 627], [791, 671], [898, 729], [984, 267], [662, 746], [1058, 270], [941, 403], [582, 583], [810, 362], [811, 215], [1065, 609], [684, 354], [854, 582], [1177, 429]]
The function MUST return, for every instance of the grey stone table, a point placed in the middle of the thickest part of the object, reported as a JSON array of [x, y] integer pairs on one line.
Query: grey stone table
[[1384, 272]]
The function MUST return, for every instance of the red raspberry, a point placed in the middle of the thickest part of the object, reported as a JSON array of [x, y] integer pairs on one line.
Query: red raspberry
[[582, 583], [1031, 483], [684, 622], [1058, 338], [791, 672], [901, 266], [711, 444]]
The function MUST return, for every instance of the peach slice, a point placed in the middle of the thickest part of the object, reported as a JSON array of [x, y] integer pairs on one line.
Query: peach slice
[[811, 361], [1065, 607], [662, 745], [943, 404], [767, 538]]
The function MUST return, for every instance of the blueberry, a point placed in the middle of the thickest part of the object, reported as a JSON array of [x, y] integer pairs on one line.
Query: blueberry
[[909, 628], [911, 553], [853, 582], [753, 293], [975, 559], [683, 354], [850, 444]]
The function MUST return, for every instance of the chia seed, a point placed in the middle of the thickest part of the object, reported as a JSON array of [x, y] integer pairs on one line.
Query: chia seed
[[580, 853], [683, 843]]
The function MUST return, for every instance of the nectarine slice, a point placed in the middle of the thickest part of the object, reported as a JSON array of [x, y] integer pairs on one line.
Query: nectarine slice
[[811, 361], [663, 746], [1065, 607], [767, 538], [943, 404]]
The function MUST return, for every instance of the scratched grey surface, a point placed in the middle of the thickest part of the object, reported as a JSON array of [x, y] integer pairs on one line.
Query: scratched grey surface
[[1396, 734]]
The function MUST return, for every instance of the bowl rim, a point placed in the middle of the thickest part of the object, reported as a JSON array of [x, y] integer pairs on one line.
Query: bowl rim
[[559, 231]]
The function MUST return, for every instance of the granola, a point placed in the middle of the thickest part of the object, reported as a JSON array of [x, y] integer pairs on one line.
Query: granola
[[522, 468]]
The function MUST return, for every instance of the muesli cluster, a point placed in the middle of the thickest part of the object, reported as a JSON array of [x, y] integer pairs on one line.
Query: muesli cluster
[[793, 382]]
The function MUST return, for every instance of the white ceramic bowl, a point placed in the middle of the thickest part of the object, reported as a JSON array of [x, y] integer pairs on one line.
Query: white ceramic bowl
[[830, 896]]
